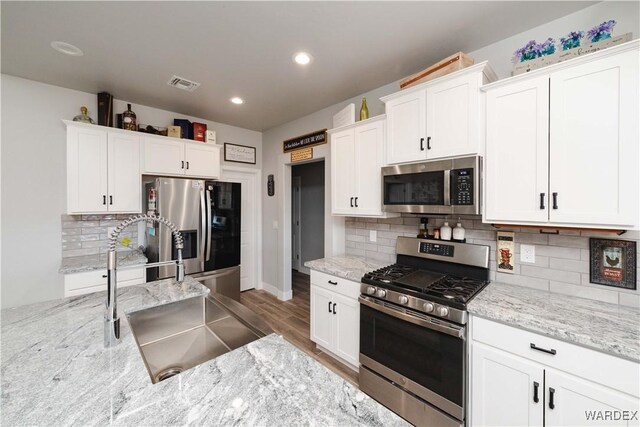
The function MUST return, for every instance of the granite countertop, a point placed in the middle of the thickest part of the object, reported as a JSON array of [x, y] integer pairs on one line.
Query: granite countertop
[[605, 327], [55, 371], [80, 264], [348, 267]]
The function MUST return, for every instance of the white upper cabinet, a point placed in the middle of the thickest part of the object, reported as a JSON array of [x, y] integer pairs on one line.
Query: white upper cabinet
[[582, 168], [453, 117], [594, 139], [343, 174], [124, 173], [168, 156], [357, 156], [103, 170], [517, 153], [437, 119], [406, 127], [163, 156]]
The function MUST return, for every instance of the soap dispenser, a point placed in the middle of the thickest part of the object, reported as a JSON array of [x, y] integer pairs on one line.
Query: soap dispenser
[[445, 232], [458, 232]]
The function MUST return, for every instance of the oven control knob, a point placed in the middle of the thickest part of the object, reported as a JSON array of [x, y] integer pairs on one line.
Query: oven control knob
[[428, 307], [371, 290], [381, 293], [443, 311], [403, 299]]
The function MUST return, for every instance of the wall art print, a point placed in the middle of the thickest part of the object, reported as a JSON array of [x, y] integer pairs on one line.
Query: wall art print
[[613, 263]]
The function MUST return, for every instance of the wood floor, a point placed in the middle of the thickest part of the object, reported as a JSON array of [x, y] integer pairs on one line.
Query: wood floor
[[291, 320]]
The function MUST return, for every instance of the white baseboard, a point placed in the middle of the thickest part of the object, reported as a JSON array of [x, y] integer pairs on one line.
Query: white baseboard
[[282, 296]]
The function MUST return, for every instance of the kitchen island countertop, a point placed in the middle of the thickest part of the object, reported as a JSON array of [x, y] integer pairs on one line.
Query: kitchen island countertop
[[601, 326], [55, 371]]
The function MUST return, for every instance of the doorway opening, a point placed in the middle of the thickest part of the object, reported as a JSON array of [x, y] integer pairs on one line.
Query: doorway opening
[[307, 220]]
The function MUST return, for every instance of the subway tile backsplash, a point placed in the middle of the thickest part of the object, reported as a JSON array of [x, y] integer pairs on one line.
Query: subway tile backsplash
[[89, 234], [561, 265]]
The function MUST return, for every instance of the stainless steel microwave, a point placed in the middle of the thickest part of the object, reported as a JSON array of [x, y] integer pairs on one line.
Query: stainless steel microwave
[[450, 186]]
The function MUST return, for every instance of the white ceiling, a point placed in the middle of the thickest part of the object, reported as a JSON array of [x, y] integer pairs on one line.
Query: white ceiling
[[245, 49]]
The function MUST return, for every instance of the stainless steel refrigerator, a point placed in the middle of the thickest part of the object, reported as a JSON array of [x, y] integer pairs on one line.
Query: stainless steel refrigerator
[[207, 213]]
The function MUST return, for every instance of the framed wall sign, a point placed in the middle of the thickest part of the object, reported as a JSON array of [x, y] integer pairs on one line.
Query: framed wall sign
[[239, 153], [302, 154], [309, 140], [613, 263]]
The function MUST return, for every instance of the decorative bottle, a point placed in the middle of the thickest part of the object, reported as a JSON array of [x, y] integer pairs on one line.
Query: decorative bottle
[[458, 232], [83, 116], [445, 232], [129, 119], [364, 110]]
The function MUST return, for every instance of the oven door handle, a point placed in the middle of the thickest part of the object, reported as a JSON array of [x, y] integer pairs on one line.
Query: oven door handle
[[455, 331]]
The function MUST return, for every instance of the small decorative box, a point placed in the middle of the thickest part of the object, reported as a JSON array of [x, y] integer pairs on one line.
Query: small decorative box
[[186, 128], [174, 132], [210, 137], [199, 130]]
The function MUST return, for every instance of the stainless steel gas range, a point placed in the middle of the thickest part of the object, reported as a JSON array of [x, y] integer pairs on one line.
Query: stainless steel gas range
[[413, 347]]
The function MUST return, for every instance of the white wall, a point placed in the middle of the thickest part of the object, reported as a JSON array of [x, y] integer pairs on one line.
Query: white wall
[[34, 180], [499, 54]]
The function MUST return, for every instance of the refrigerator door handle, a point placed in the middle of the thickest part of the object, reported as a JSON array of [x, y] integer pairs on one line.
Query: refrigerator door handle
[[209, 231], [203, 226]]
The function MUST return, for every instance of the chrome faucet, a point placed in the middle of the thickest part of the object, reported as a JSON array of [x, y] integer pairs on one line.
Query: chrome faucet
[[111, 319]]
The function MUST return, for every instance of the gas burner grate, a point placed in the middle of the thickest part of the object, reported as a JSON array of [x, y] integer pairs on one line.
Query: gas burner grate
[[455, 288]]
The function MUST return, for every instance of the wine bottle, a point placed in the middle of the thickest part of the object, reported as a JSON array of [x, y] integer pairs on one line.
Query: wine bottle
[[364, 110], [129, 119]]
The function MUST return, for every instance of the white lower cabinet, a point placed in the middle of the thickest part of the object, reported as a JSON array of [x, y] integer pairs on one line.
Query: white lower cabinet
[[335, 317], [519, 378], [96, 280], [504, 389]]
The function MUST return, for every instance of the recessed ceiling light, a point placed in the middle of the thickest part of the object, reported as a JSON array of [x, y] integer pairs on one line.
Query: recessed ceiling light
[[237, 100], [302, 58], [67, 48]]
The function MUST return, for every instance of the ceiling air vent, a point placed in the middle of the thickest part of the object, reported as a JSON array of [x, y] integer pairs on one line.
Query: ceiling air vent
[[183, 84]]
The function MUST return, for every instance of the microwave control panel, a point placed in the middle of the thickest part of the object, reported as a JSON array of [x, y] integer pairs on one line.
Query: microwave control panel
[[462, 186], [436, 249]]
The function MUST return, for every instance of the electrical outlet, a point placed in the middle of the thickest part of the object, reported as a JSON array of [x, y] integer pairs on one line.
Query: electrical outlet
[[275, 225], [528, 253], [373, 235]]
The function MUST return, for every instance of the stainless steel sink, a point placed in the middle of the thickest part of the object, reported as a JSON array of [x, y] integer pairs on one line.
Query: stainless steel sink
[[178, 336]]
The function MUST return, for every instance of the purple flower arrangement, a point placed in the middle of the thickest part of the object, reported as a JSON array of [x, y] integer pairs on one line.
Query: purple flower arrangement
[[534, 50], [571, 40], [602, 31]]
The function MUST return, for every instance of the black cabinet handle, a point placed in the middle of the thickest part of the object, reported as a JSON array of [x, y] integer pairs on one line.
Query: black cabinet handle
[[352, 202], [104, 199], [334, 308], [555, 200], [187, 165], [329, 306], [542, 201], [421, 144], [535, 392], [104, 276], [552, 392], [356, 202], [331, 282], [182, 167], [544, 350], [110, 200], [428, 143]]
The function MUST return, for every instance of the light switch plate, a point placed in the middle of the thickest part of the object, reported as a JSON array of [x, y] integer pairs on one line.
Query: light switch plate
[[373, 235], [275, 225], [528, 253]]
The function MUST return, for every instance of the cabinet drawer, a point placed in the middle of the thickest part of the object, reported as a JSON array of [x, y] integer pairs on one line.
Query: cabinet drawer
[[93, 281], [342, 286], [620, 374]]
